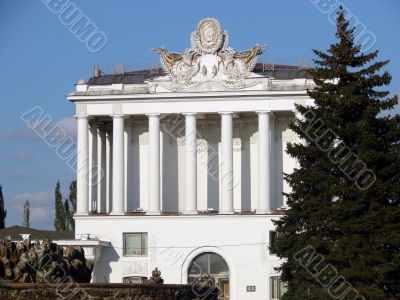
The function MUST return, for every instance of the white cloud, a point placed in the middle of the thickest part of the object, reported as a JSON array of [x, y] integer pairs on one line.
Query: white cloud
[[40, 214], [67, 123], [23, 156], [41, 207], [19, 156], [41, 198]]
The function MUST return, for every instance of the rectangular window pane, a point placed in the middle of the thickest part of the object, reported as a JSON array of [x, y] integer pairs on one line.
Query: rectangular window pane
[[274, 288], [135, 244], [134, 279], [272, 240], [144, 243]]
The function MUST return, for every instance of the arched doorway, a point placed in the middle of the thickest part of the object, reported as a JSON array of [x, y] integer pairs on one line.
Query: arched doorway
[[211, 269]]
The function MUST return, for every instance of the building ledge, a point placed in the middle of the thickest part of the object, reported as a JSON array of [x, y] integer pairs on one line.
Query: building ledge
[[199, 214]]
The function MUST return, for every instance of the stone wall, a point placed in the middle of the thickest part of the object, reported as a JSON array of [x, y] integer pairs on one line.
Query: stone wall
[[32, 291]]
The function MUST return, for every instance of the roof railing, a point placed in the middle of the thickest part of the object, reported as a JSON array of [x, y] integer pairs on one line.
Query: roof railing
[[156, 68]]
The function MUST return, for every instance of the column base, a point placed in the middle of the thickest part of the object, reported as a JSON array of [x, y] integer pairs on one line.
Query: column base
[[117, 213], [229, 212], [262, 212], [193, 212], [153, 213]]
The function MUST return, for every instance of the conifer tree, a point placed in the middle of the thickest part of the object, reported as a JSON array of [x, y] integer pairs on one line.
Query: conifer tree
[[343, 221], [59, 221], [72, 204], [26, 222], [3, 212], [68, 215]]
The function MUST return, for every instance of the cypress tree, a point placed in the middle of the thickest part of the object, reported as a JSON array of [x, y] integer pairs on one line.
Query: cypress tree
[[67, 212], [59, 221], [72, 203], [26, 222], [3, 212], [343, 221]]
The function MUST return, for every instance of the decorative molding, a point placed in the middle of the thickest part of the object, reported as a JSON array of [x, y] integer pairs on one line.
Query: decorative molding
[[254, 138], [237, 145], [117, 108], [180, 141], [144, 138], [81, 109], [135, 268], [202, 146]]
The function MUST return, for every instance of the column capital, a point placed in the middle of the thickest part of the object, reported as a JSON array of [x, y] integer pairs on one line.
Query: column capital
[[225, 112], [264, 112], [153, 115], [114, 116], [189, 113]]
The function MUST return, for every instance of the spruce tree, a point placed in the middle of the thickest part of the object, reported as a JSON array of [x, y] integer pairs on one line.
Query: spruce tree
[[59, 221], [3, 212], [344, 213]]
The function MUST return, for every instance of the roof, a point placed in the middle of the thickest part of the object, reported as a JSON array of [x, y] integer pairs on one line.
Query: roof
[[136, 77], [36, 234]]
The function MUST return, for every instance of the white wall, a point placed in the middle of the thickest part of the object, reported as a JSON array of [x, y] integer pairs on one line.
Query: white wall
[[175, 240]]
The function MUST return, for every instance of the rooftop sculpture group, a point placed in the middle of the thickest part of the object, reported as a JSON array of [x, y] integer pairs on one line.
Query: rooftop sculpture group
[[209, 58]]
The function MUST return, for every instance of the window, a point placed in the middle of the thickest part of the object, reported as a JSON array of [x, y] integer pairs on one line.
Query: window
[[272, 240], [134, 279], [277, 288], [135, 244], [212, 269]]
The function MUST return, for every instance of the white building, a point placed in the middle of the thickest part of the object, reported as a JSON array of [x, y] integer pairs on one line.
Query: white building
[[184, 171]]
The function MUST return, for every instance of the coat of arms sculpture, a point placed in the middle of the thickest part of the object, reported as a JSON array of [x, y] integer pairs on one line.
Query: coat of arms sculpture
[[209, 59]]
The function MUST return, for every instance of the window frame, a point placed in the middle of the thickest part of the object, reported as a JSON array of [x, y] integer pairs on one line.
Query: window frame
[[144, 250], [271, 232], [279, 287], [142, 279]]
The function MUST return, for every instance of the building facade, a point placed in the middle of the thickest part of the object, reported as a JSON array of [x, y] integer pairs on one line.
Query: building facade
[[181, 168]]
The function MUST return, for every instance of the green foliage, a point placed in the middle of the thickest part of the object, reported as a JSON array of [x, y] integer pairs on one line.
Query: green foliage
[[353, 226], [3, 212], [59, 221], [64, 210], [72, 204]]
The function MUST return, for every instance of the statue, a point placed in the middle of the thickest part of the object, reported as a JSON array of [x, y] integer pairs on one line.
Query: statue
[[155, 277], [209, 58]]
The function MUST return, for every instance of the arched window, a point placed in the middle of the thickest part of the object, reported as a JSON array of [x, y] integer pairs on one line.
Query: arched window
[[213, 266]]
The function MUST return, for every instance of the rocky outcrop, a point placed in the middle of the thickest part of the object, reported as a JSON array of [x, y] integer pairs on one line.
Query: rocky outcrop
[[45, 262]]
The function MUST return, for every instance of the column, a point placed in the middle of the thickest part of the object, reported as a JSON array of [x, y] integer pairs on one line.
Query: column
[[226, 175], [102, 171], [191, 163], [93, 175], [118, 165], [154, 164], [109, 169], [273, 195], [128, 167], [264, 178], [82, 168]]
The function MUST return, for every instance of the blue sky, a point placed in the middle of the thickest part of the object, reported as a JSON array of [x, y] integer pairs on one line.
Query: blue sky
[[41, 60]]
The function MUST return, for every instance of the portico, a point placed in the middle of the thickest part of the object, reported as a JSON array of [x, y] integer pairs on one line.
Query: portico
[[185, 129]]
